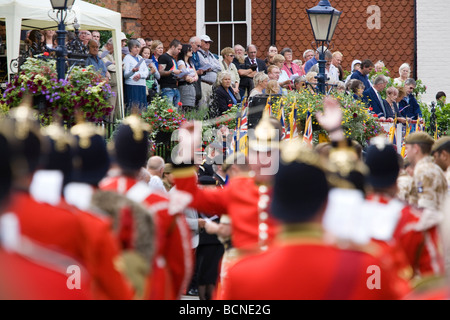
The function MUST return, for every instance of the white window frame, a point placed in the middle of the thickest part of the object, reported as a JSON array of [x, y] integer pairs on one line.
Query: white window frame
[[201, 23]]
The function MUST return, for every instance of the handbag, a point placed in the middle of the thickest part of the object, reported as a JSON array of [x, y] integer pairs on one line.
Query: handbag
[[198, 90]]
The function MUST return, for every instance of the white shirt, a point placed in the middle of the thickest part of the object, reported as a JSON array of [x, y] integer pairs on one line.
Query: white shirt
[[332, 73], [157, 184]]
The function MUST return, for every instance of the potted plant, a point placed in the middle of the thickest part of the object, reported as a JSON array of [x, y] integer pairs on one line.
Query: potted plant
[[163, 118], [85, 92]]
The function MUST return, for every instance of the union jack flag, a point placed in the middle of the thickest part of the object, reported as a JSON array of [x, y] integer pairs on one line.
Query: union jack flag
[[283, 124], [242, 129], [308, 135], [293, 123]]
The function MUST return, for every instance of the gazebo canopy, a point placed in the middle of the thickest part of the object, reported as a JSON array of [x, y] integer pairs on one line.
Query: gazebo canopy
[[37, 14]]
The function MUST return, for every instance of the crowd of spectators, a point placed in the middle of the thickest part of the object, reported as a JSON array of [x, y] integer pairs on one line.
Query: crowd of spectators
[[192, 77]]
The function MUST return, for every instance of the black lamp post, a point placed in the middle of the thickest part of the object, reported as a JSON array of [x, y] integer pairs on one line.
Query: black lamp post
[[61, 51], [323, 19]]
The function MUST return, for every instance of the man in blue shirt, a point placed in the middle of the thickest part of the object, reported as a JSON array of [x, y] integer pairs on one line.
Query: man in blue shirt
[[363, 75], [312, 61], [408, 106], [94, 60]]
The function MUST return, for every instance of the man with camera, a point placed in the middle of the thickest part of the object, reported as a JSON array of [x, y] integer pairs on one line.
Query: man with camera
[[248, 69]]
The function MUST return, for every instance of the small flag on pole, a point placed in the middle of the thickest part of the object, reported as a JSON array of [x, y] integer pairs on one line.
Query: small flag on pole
[[407, 130], [308, 135], [293, 122]]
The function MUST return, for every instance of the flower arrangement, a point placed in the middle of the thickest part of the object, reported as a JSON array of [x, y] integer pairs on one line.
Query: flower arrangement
[[162, 116], [84, 90], [357, 122]]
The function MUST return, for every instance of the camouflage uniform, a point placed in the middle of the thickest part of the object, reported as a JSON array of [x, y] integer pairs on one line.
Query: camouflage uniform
[[429, 185], [404, 185]]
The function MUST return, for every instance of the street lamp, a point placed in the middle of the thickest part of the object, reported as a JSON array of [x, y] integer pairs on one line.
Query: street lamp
[[61, 51], [323, 19]]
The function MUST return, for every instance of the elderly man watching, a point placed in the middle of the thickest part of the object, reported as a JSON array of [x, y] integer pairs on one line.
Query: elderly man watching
[[155, 166], [94, 60], [372, 97], [209, 75], [107, 55]]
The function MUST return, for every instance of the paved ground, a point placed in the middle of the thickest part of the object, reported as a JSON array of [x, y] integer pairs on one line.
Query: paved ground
[[189, 297]]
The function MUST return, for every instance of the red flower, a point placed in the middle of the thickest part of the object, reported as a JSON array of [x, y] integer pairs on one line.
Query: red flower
[[180, 104], [46, 54], [83, 70], [370, 108], [170, 110], [230, 105], [375, 115]]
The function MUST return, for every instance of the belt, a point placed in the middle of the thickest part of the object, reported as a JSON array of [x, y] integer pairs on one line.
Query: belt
[[210, 83]]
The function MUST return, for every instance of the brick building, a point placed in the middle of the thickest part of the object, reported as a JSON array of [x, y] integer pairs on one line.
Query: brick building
[[394, 31]]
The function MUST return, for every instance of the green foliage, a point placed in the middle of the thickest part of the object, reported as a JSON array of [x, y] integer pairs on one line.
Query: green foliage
[[162, 116], [357, 123], [442, 113], [85, 91]]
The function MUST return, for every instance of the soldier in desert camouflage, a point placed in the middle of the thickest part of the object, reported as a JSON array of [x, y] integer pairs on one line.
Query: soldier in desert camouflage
[[441, 155], [429, 183]]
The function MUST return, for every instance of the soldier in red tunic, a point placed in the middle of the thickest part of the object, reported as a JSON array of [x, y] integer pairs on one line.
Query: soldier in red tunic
[[421, 243], [302, 265], [29, 270], [172, 265], [246, 196]]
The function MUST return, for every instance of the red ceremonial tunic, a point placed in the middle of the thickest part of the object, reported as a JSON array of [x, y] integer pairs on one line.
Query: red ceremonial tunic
[[48, 225], [102, 254], [79, 234], [37, 276], [172, 265], [242, 199], [421, 247], [301, 266]]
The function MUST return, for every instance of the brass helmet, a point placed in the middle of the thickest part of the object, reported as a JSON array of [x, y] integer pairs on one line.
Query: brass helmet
[[267, 134]]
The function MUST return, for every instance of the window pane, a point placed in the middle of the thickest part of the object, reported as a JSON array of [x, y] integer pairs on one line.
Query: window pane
[[212, 32], [211, 10], [225, 10], [239, 13], [226, 36], [240, 34]]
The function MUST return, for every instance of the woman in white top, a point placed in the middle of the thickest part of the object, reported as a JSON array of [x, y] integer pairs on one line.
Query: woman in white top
[[283, 80], [404, 73], [261, 79], [228, 65], [186, 85], [151, 80], [135, 73]]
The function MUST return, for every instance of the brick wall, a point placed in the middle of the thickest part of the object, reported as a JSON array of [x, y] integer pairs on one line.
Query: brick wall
[[168, 20], [370, 29], [130, 11], [357, 35], [433, 45]]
